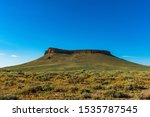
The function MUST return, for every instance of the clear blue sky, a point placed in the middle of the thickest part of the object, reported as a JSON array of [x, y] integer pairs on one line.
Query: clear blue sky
[[29, 27]]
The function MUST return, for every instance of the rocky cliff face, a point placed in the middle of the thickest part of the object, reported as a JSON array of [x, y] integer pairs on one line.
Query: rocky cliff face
[[61, 51]]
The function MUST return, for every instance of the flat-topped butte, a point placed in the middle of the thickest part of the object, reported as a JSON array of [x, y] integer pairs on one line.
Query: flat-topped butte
[[62, 51]]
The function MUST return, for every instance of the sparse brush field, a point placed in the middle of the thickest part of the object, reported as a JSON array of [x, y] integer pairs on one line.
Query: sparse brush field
[[79, 85]]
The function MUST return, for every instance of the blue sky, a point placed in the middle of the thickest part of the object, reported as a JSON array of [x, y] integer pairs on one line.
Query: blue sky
[[29, 27]]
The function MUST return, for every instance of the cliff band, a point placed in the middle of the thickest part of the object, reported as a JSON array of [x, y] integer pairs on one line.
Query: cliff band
[[62, 51]]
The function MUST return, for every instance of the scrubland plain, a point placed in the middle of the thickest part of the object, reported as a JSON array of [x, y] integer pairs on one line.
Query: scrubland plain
[[75, 85]]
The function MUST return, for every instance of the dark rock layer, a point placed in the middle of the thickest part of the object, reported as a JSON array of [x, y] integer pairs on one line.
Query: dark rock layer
[[61, 51]]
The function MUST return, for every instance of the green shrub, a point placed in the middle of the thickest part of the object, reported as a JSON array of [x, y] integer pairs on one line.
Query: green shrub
[[86, 95], [47, 87], [97, 87], [9, 97], [35, 89], [60, 89], [74, 89], [114, 86], [115, 94], [86, 90], [9, 83], [132, 86], [42, 77], [75, 80], [103, 81]]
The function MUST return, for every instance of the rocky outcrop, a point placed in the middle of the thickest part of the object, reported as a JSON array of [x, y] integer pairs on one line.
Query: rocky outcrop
[[62, 51]]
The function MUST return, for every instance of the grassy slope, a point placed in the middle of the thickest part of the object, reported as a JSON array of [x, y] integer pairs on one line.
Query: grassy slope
[[61, 62], [103, 77]]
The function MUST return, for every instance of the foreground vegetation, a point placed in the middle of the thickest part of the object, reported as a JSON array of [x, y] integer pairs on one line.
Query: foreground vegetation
[[79, 85]]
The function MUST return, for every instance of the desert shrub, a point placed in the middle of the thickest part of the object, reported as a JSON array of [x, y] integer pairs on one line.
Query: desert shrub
[[21, 73], [132, 86], [8, 78], [115, 94], [9, 83], [35, 89], [103, 81], [82, 71], [98, 96], [86, 90], [127, 77], [145, 95], [21, 80], [97, 87], [70, 96], [20, 86], [47, 87], [60, 89], [42, 77], [75, 79], [83, 75], [74, 89], [32, 89], [113, 86], [86, 95], [9, 97], [6, 70]]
